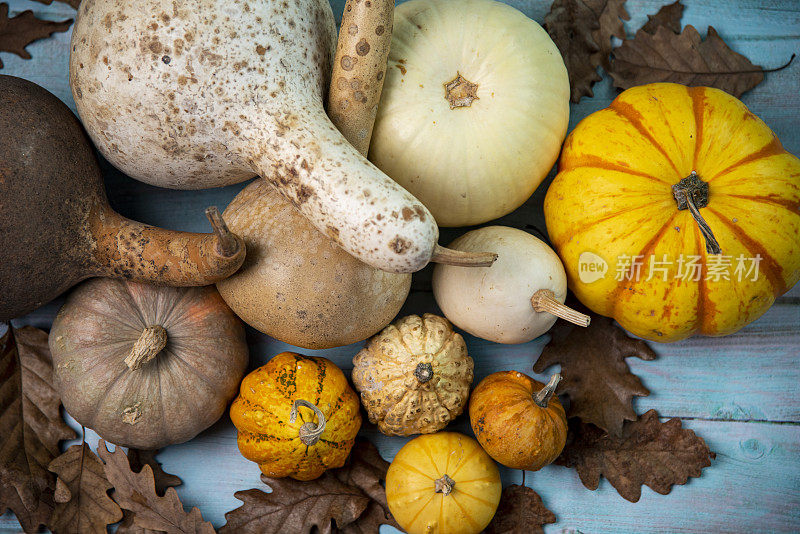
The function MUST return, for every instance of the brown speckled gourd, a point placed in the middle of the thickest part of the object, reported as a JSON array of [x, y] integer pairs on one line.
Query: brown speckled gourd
[[204, 93], [57, 228], [146, 366], [296, 284], [414, 376]]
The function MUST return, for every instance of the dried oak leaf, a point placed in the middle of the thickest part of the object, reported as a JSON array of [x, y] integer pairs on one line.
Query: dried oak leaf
[[137, 459], [521, 511], [30, 426], [365, 470], [668, 16], [72, 3], [649, 452], [683, 58], [18, 32], [82, 501], [598, 382], [136, 492], [582, 31], [296, 506]]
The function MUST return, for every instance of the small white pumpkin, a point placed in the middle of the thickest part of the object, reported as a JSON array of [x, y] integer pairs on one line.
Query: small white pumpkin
[[515, 300], [474, 108]]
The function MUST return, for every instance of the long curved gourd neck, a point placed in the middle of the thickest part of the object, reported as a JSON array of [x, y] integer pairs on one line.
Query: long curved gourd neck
[[132, 250]]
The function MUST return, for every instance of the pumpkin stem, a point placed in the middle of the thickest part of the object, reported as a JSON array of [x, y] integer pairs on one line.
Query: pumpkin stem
[[692, 193], [544, 300], [543, 396], [423, 372], [444, 485], [227, 245], [448, 256], [309, 432], [152, 340]]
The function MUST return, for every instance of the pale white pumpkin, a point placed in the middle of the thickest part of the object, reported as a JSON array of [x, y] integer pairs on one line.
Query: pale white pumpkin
[[515, 300], [474, 108]]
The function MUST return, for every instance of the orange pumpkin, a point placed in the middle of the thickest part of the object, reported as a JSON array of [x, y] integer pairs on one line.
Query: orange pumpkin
[[518, 420], [675, 211], [297, 416]]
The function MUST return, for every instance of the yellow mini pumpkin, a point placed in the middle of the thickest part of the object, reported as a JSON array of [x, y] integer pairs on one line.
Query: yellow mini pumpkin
[[297, 416], [443, 483], [675, 211], [414, 376], [518, 420]]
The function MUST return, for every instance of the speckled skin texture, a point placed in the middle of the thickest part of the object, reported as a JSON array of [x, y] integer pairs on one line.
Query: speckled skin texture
[[262, 411], [57, 228], [183, 390], [297, 285], [399, 401], [203, 93], [511, 427]]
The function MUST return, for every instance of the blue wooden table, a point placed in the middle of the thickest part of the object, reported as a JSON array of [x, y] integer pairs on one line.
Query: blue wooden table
[[740, 393]]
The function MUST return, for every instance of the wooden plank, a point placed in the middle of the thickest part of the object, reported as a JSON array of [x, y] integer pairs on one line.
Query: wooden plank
[[752, 486]]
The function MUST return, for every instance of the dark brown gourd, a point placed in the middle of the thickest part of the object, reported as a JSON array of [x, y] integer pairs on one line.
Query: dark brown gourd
[[56, 226]]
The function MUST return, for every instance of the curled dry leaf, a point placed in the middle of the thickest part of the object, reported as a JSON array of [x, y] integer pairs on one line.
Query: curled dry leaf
[[82, 501], [668, 16], [296, 506], [521, 511], [136, 492], [31, 426], [649, 452], [18, 32], [598, 382], [582, 31], [683, 58]]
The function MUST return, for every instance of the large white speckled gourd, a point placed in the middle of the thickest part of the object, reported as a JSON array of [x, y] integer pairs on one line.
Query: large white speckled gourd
[[203, 93]]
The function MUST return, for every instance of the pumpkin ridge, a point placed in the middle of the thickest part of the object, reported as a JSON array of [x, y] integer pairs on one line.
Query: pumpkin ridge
[[788, 205], [421, 509], [634, 117], [773, 148], [464, 461], [464, 513], [645, 250], [698, 97], [772, 268], [591, 161], [461, 491], [414, 469], [577, 230], [192, 368], [703, 301]]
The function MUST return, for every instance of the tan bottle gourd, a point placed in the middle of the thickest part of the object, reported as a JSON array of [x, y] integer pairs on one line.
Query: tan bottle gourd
[[204, 93], [57, 228]]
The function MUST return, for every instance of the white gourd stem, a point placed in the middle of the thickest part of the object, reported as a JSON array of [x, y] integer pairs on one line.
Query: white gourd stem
[[444, 485], [309, 433], [460, 258], [543, 396], [152, 341], [545, 300]]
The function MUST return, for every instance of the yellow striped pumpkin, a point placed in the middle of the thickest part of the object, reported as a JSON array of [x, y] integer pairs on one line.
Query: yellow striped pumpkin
[[297, 416], [619, 205]]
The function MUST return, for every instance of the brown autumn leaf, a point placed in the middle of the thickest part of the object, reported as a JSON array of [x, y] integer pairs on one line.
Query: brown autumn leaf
[[296, 506], [82, 501], [18, 32], [72, 3], [137, 459], [521, 511], [598, 382], [582, 31], [649, 452], [683, 58], [668, 16], [136, 492], [31, 426], [365, 470]]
